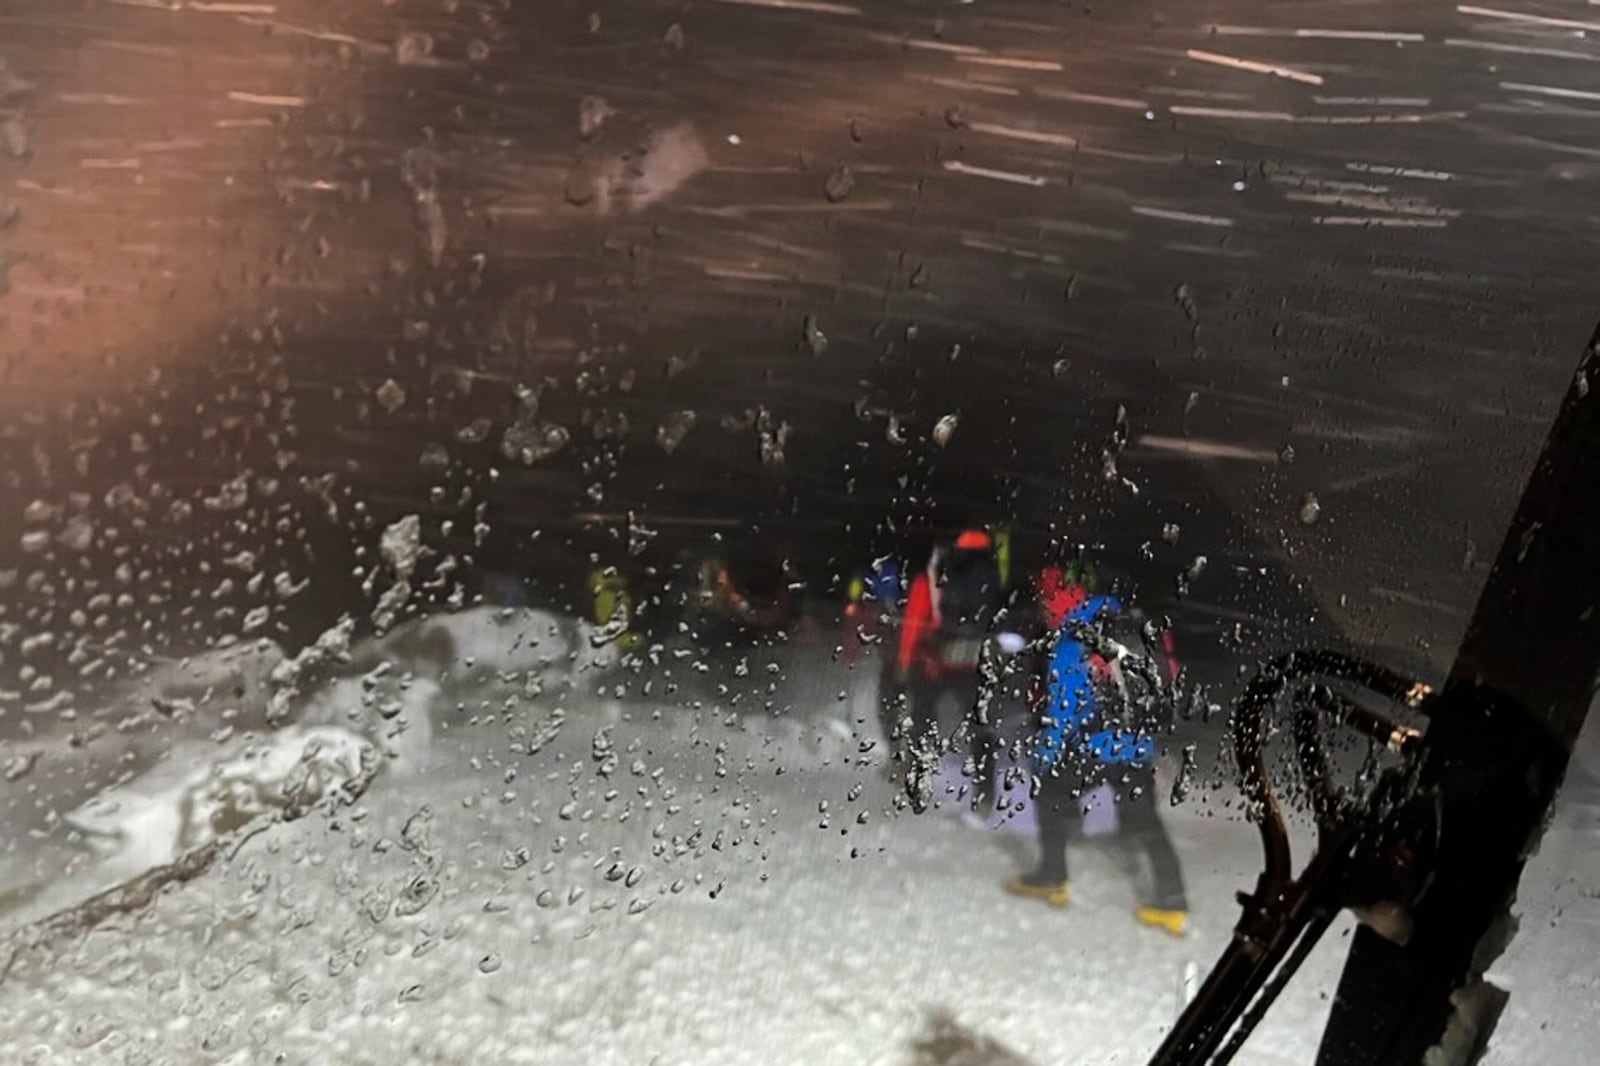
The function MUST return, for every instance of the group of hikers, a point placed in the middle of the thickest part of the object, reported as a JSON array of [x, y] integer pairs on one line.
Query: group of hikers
[[1068, 650], [1060, 652]]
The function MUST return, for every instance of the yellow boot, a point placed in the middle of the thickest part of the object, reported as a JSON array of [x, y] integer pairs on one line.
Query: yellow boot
[[1175, 922], [1055, 893]]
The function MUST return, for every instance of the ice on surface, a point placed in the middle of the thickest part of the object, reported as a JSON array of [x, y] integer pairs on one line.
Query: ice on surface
[[400, 546], [331, 647]]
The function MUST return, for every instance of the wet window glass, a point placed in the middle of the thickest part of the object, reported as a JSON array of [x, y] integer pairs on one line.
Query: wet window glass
[[796, 531]]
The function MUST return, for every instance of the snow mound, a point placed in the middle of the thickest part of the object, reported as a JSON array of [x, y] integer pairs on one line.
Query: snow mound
[[189, 800], [479, 644]]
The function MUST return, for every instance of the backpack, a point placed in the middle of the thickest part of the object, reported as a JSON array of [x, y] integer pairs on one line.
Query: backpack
[[969, 599], [1101, 707]]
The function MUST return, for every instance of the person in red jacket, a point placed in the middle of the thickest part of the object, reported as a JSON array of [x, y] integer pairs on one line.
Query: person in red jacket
[[951, 608]]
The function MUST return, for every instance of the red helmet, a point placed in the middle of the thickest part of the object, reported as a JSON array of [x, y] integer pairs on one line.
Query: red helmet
[[974, 540]]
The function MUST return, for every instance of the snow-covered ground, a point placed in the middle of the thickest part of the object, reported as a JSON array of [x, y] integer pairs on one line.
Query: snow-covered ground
[[567, 879]]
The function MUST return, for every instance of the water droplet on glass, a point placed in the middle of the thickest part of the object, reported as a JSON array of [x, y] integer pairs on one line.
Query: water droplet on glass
[[12, 84], [593, 111], [894, 434], [772, 435], [840, 184], [673, 428], [816, 340], [78, 533], [435, 457], [18, 765], [413, 49], [1185, 299], [1180, 785], [416, 895], [391, 397], [530, 440], [1190, 574], [13, 136]]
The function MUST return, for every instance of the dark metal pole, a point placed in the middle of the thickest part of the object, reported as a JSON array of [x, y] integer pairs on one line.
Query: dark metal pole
[[1501, 733]]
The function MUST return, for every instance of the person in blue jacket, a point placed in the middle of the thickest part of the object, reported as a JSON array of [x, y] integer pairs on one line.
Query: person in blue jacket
[[1088, 735], [873, 604]]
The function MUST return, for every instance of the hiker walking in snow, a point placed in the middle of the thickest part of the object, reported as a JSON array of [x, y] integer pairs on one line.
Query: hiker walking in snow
[[873, 601], [950, 611], [1091, 733]]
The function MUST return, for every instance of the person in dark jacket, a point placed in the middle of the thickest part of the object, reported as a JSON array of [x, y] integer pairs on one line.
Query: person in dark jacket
[[1090, 733], [950, 612]]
